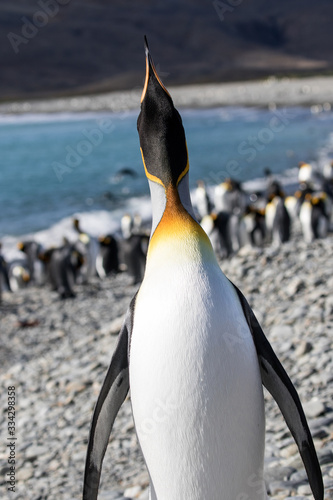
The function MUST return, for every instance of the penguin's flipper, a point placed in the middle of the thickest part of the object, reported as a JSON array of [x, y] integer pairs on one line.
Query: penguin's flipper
[[277, 382], [113, 392]]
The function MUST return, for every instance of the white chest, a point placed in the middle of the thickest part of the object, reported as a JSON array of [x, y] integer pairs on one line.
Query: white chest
[[305, 216], [195, 385], [270, 214]]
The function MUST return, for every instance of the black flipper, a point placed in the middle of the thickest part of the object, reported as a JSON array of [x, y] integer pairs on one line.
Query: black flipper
[[114, 390], [277, 382]]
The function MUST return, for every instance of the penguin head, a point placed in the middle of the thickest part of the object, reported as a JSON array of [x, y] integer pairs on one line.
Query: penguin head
[[163, 148], [76, 225], [161, 132]]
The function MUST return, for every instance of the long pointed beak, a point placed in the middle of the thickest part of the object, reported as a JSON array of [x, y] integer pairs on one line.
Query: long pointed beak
[[150, 70]]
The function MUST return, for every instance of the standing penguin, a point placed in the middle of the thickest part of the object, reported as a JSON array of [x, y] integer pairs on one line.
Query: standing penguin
[[202, 201], [305, 172], [191, 349], [277, 218], [314, 217], [107, 261]]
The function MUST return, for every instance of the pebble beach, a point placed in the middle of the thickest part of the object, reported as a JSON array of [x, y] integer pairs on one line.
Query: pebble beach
[[56, 353], [271, 92]]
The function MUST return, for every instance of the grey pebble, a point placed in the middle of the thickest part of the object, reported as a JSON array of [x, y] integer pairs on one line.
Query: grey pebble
[[314, 408], [297, 497]]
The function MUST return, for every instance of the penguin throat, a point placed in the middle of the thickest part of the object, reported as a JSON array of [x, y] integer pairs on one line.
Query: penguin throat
[[177, 228]]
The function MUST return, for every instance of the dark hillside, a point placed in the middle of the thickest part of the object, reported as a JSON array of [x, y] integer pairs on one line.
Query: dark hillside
[[70, 46]]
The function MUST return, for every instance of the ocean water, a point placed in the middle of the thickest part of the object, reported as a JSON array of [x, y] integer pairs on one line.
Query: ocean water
[[53, 166]]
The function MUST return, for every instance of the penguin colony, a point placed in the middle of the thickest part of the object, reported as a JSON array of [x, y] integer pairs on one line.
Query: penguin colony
[[232, 220], [230, 216], [190, 340], [77, 261], [239, 218]]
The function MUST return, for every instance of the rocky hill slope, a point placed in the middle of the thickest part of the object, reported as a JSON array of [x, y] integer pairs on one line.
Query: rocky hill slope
[[70, 46]]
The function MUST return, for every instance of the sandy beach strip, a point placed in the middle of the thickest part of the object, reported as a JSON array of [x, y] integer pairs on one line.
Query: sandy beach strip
[[271, 92]]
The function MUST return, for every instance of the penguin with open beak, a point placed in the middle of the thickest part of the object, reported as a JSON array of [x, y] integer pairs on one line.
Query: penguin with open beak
[[190, 349]]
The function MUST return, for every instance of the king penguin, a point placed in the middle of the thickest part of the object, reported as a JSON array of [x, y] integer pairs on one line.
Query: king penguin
[[190, 349]]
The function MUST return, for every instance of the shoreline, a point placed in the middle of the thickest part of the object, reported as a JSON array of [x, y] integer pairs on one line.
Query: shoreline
[[52, 234], [271, 92]]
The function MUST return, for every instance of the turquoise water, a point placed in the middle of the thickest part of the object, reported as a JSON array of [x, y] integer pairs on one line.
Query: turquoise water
[[53, 166]]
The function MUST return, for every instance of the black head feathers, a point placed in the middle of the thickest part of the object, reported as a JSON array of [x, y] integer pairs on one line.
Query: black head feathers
[[161, 132]]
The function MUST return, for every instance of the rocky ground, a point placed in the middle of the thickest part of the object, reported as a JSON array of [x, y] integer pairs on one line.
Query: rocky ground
[[58, 363]]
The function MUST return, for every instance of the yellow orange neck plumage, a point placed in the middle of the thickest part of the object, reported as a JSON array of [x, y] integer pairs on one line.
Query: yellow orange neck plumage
[[178, 231]]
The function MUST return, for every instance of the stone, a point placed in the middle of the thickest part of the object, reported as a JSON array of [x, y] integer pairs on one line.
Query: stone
[[289, 451], [278, 473], [329, 494], [325, 455], [304, 489], [314, 408], [110, 495], [279, 332], [144, 495], [36, 451], [132, 492], [24, 473], [276, 487], [303, 348], [295, 286], [113, 328], [297, 497]]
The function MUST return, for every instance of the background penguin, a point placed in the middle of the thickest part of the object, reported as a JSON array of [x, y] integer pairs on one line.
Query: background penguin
[[125, 171], [91, 245], [202, 202], [230, 197], [107, 261], [216, 226], [220, 195], [328, 171], [254, 219], [32, 250], [314, 217], [327, 184], [305, 172], [291, 203], [234, 201], [191, 341], [4, 277], [18, 275], [131, 249], [63, 264], [277, 218]]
